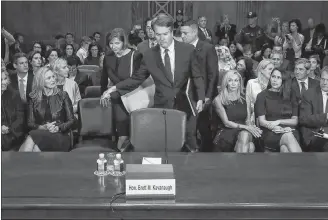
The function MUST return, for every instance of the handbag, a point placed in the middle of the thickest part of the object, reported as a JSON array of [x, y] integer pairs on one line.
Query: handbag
[[141, 97]]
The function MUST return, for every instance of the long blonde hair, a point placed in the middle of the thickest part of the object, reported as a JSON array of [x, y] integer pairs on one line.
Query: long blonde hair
[[224, 92], [39, 83], [260, 76]]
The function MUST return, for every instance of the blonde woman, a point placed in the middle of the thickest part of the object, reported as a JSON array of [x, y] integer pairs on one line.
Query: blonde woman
[[225, 62], [255, 86], [61, 71], [231, 107], [50, 115]]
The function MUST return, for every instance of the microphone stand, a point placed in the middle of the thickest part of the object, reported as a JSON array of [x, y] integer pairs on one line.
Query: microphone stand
[[165, 133]]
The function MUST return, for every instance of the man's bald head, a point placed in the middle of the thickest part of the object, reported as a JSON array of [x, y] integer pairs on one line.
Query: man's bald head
[[311, 23]]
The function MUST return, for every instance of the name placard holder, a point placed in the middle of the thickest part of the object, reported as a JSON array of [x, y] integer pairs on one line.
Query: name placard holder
[[150, 181]]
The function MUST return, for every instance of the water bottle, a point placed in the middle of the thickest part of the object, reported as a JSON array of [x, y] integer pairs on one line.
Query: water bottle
[[101, 164], [119, 166]]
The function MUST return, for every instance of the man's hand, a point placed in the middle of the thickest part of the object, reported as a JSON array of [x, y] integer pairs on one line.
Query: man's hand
[[4, 129], [257, 53], [54, 129], [199, 106]]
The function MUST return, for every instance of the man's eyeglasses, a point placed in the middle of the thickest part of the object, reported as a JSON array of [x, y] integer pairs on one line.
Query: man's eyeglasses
[[323, 80]]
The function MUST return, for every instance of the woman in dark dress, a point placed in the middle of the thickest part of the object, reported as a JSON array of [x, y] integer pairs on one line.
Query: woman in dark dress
[[277, 112], [12, 116], [230, 105], [116, 67], [94, 55], [50, 115]]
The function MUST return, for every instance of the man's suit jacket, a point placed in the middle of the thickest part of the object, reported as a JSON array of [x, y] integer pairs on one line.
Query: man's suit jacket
[[312, 116], [296, 88], [202, 36], [168, 94], [143, 46], [14, 83], [83, 81], [208, 62]]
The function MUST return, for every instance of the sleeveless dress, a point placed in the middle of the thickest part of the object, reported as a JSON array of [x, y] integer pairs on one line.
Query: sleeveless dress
[[272, 105], [226, 138]]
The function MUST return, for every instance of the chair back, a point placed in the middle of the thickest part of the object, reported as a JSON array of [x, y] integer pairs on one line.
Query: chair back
[[95, 120], [89, 67], [147, 129], [92, 92]]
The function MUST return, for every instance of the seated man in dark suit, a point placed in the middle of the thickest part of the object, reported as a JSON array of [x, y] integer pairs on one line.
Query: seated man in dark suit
[[208, 61], [314, 115], [204, 33], [280, 63], [151, 41], [301, 82], [81, 79], [171, 64]]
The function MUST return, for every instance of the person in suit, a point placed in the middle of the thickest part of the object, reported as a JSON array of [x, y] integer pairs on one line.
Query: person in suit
[[12, 116], [151, 41], [179, 21], [226, 30], [22, 81], [204, 34], [301, 82], [207, 59], [81, 79], [171, 64], [280, 63], [308, 35], [314, 115]]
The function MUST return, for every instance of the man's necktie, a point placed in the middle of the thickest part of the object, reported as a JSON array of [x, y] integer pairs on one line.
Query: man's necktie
[[168, 63], [303, 88], [22, 90]]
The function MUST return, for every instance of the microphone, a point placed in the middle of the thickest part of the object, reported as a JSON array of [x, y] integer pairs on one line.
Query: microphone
[[165, 133]]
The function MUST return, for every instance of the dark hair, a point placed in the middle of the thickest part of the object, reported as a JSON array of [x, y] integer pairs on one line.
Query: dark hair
[[118, 33], [50, 51], [93, 45], [68, 33], [146, 20], [249, 73], [201, 16], [19, 55], [264, 47], [191, 23], [320, 28], [31, 55], [285, 91], [73, 60], [16, 35], [162, 20], [94, 34], [66, 47], [298, 24], [43, 47], [59, 36]]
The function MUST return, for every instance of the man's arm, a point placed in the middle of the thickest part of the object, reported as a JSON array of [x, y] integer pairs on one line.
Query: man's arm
[[212, 70], [307, 118]]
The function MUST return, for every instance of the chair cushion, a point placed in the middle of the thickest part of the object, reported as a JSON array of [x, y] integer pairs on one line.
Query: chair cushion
[[93, 92], [148, 129]]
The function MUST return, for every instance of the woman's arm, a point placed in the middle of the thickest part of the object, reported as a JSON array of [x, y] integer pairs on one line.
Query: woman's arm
[[222, 113], [293, 121], [249, 102], [31, 119], [67, 105]]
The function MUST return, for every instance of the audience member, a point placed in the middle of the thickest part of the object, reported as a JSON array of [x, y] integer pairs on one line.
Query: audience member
[[277, 113], [320, 42], [204, 33], [179, 21], [308, 36], [151, 41], [35, 61], [230, 105], [12, 116], [294, 40], [69, 37], [226, 30], [51, 56], [93, 55], [314, 71], [235, 53], [83, 53], [245, 69], [50, 115]]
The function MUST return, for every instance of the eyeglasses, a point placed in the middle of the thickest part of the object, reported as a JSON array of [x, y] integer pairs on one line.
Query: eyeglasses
[[324, 80]]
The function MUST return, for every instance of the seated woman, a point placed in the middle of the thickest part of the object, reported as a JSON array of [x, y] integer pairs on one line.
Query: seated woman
[[277, 112], [51, 56], [50, 115], [69, 52], [235, 53], [61, 70], [265, 52], [12, 116], [245, 69], [257, 85], [94, 55], [314, 71], [230, 105], [225, 62], [35, 60]]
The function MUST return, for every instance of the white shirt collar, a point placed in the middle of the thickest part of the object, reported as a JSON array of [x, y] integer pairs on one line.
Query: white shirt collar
[[170, 48], [195, 42], [24, 78], [306, 81]]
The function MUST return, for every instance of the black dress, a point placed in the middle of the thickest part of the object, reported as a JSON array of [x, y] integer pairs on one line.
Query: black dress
[[117, 69], [272, 105], [62, 107], [226, 138]]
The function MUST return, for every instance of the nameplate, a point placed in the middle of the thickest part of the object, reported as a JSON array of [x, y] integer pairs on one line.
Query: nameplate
[[150, 181]]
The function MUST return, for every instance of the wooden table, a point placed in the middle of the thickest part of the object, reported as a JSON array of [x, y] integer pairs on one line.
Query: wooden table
[[209, 186]]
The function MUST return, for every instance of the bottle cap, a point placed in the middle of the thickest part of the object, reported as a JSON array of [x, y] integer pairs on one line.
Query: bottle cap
[[101, 155], [118, 156]]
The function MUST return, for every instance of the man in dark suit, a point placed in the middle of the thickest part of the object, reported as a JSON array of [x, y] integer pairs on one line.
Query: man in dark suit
[[151, 41], [208, 61], [280, 63], [23, 80], [81, 79], [301, 82], [314, 115], [308, 35], [204, 34], [171, 64]]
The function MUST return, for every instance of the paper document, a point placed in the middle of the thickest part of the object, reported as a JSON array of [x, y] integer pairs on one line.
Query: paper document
[[151, 160]]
